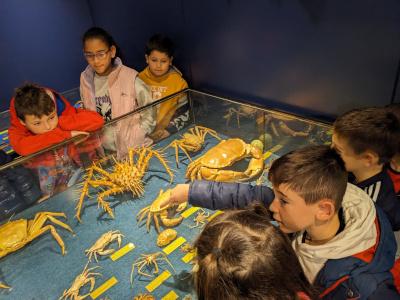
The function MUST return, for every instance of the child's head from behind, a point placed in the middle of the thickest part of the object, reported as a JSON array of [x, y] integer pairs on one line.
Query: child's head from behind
[[240, 255], [99, 49], [35, 109], [309, 185], [395, 109], [366, 138], [159, 54]]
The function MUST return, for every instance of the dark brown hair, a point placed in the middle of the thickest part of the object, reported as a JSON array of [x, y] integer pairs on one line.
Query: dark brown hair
[[314, 172], [31, 99], [372, 128], [160, 43], [241, 255]]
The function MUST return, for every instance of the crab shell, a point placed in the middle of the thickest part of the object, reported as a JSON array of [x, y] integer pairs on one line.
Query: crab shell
[[225, 154], [144, 297], [166, 237]]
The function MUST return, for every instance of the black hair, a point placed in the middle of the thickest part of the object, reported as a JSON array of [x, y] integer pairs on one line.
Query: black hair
[[100, 33], [160, 43]]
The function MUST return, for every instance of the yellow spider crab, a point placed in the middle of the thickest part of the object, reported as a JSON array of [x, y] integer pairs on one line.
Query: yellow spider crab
[[87, 276], [144, 297], [154, 210], [200, 219], [99, 246], [192, 141], [16, 234], [149, 260], [126, 176], [227, 152]]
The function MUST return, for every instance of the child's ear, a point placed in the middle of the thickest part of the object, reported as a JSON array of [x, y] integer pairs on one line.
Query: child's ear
[[22, 122], [170, 61], [370, 158], [113, 50], [147, 58], [326, 209]]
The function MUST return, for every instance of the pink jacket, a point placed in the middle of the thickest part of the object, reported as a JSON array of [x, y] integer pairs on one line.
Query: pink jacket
[[121, 81]]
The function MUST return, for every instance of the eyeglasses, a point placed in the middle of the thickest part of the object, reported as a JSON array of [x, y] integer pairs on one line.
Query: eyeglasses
[[99, 55]]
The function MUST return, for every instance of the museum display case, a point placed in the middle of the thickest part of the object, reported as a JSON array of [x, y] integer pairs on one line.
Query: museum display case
[[64, 208]]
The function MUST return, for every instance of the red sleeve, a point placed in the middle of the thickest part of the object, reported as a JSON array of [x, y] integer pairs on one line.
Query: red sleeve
[[25, 143], [81, 120]]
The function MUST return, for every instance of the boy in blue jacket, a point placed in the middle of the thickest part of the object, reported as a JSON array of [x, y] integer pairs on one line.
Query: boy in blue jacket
[[345, 246]]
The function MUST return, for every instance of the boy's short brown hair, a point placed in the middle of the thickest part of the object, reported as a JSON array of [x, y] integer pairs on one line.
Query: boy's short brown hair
[[314, 172], [31, 99], [373, 128]]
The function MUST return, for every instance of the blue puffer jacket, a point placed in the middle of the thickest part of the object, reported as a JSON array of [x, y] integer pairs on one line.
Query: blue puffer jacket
[[222, 195]]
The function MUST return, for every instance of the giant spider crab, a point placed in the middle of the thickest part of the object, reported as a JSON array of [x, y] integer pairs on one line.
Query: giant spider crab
[[211, 165], [125, 176]]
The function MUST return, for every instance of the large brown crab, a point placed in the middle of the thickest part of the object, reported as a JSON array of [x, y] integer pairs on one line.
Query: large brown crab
[[126, 176], [154, 210], [211, 165], [192, 141], [16, 234]]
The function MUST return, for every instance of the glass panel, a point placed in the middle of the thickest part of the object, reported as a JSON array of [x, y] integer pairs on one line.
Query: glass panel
[[92, 179]]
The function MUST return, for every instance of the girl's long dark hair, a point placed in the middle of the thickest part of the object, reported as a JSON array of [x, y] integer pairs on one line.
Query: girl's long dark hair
[[240, 255]]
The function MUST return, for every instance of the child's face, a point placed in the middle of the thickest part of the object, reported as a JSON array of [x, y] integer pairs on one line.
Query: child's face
[[40, 125], [159, 63], [353, 162], [291, 211], [99, 56]]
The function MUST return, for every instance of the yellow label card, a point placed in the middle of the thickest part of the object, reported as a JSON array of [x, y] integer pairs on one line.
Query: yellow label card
[[104, 287], [121, 252], [170, 296], [218, 212], [175, 244], [189, 256], [189, 211], [158, 281]]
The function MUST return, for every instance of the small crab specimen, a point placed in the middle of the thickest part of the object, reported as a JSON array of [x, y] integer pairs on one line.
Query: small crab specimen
[[144, 297], [4, 286], [16, 234], [154, 210], [149, 260], [166, 237], [99, 246], [192, 141], [187, 248], [200, 219], [87, 276]]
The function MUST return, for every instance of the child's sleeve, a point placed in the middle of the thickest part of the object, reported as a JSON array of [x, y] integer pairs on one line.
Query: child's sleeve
[[222, 195], [81, 120], [25, 143], [143, 97]]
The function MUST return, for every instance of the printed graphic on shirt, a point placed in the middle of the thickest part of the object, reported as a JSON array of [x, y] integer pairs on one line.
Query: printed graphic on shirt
[[103, 107], [157, 92], [373, 190], [102, 98]]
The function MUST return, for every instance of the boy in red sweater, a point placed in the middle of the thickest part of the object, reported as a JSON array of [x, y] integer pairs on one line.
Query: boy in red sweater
[[41, 117]]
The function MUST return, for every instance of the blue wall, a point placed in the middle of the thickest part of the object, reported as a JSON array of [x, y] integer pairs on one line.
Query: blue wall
[[40, 42], [309, 56]]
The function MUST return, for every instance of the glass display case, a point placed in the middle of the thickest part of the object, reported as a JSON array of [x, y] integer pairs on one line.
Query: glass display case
[[70, 195]]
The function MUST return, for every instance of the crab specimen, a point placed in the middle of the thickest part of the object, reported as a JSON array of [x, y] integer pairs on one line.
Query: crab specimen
[[87, 276], [200, 219], [99, 246], [144, 297], [154, 210], [149, 260], [211, 165], [166, 237], [242, 111], [4, 286], [192, 141], [186, 248], [16, 234], [126, 176]]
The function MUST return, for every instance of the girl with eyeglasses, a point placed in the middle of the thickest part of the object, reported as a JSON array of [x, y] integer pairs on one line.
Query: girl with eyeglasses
[[112, 89]]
